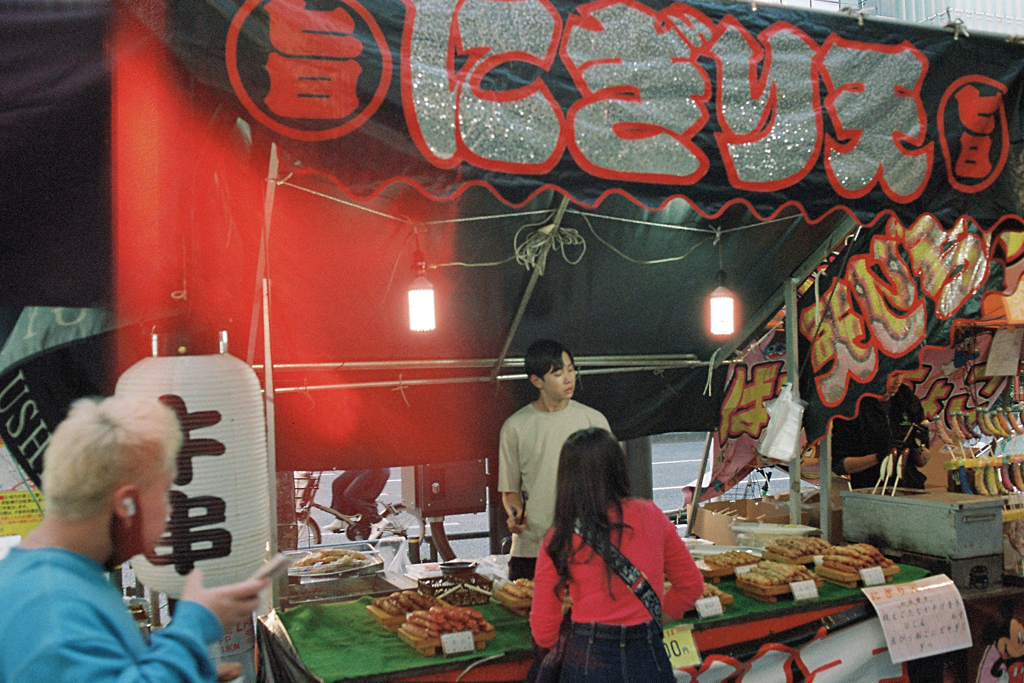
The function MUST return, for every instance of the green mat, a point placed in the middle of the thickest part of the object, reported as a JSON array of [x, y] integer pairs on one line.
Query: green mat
[[745, 606], [341, 640]]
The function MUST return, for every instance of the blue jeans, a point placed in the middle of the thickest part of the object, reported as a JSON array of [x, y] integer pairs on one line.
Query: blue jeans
[[603, 653]]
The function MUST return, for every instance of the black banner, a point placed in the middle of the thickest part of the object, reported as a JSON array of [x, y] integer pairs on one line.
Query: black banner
[[718, 103]]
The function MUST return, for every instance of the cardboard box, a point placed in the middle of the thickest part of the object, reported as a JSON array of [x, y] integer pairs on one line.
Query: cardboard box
[[714, 519], [810, 509]]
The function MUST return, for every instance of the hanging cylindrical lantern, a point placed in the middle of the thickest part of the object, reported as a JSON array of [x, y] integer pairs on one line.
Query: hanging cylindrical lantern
[[220, 517]]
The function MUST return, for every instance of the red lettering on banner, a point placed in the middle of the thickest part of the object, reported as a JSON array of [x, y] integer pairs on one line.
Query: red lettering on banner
[[973, 161], [312, 74], [840, 349], [743, 409], [984, 134], [312, 88]]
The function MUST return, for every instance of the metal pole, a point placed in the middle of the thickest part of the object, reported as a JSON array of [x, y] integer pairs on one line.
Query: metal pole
[[281, 585], [793, 378], [825, 485], [261, 263], [691, 515], [537, 270]]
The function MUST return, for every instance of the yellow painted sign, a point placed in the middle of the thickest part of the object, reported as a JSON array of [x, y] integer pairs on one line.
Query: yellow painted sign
[[682, 651], [18, 513]]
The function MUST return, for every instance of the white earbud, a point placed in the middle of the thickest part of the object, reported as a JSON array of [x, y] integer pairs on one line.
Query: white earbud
[[129, 506]]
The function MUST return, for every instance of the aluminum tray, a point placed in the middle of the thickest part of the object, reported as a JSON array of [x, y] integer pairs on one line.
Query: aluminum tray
[[373, 566]]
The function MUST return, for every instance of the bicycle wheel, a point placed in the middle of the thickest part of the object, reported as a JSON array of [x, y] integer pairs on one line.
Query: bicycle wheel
[[403, 523], [309, 533]]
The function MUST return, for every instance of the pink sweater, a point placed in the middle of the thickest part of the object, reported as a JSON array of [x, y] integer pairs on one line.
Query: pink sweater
[[652, 545]]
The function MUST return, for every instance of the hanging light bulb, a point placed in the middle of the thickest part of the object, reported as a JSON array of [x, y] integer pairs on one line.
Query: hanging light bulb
[[721, 301], [722, 307], [421, 297]]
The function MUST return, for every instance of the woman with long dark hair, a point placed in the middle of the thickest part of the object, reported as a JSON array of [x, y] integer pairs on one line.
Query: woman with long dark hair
[[615, 638]]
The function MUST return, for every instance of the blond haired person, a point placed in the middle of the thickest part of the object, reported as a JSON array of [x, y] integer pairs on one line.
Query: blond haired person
[[107, 472]]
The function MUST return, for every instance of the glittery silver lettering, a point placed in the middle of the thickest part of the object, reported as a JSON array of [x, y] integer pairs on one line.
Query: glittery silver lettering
[[433, 101], [875, 97], [951, 265], [643, 96], [493, 126], [518, 131], [774, 137]]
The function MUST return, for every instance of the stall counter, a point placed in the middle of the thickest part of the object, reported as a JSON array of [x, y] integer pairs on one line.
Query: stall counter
[[340, 642]]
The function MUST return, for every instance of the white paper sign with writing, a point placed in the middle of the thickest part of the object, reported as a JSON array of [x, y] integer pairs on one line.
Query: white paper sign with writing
[[921, 618], [872, 576], [804, 590], [457, 643], [709, 607]]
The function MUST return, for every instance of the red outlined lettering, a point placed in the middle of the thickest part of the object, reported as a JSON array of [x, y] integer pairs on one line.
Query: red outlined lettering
[[982, 118], [899, 146], [771, 120]]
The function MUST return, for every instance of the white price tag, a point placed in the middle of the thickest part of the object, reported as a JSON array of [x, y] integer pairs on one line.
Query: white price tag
[[818, 560], [804, 590], [872, 576], [743, 569], [709, 607], [457, 643]]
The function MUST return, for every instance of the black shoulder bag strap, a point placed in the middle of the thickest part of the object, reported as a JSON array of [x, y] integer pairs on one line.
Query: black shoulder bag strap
[[621, 565]]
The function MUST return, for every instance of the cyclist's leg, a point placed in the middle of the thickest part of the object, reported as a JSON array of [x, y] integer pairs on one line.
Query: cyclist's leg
[[339, 495], [362, 493]]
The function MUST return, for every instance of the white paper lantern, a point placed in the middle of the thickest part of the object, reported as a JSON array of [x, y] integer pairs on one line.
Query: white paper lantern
[[220, 517]]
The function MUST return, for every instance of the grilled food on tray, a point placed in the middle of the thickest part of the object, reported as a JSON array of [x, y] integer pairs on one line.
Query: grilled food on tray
[[400, 603], [713, 591], [853, 558], [733, 558], [521, 589], [331, 559], [776, 574], [794, 547], [433, 622]]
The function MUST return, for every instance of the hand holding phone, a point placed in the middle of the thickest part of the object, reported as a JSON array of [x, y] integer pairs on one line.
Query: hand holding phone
[[274, 567]]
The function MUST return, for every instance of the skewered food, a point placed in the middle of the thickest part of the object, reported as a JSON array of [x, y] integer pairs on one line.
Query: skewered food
[[768, 573], [852, 558], [794, 547], [433, 622], [521, 589], [401, 603], [732, 558], [713, 591]]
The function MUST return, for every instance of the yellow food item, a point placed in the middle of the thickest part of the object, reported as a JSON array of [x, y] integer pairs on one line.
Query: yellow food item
[[1004, 424], [979, 482]]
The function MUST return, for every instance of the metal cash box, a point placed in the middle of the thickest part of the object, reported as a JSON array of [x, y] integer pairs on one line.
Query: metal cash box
[[938, 523]]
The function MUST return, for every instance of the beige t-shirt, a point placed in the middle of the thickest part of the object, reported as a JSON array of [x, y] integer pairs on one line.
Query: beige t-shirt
[[531, 441]]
